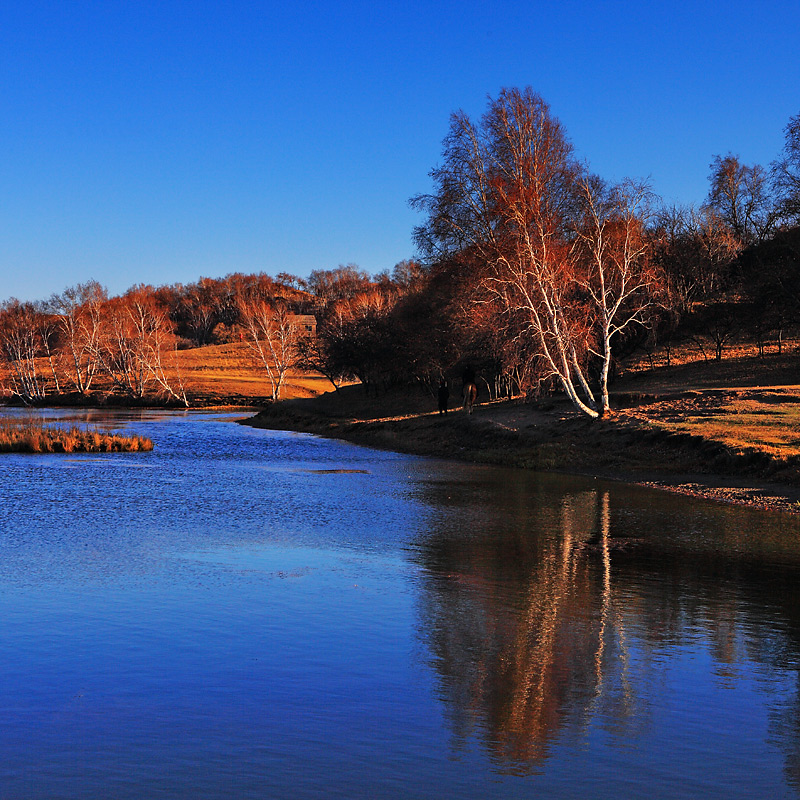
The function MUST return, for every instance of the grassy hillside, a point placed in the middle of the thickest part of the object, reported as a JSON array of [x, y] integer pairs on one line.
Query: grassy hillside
[[223, 374], [226, 372]]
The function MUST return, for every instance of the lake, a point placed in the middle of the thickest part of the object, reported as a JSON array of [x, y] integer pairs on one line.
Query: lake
[[256, 614]]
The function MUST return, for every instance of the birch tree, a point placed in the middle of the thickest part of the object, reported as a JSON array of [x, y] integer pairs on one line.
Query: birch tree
[[78, 313], [615, 267], [271, 331], [136, 335], [20, 346], [48, 332], [512, 195]]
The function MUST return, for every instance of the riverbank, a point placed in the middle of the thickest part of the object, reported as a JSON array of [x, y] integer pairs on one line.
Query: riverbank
[[643, 443], [113, 402]]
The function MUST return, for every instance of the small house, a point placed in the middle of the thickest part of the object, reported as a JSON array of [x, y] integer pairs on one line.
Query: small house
[[307, 324]]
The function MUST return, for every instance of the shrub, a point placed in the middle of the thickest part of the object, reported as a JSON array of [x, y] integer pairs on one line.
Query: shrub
[[32, 437]]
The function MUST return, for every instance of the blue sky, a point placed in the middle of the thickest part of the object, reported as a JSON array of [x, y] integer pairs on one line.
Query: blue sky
[[155, 142]]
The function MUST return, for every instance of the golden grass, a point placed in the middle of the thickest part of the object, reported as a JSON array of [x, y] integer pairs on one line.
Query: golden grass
[[210, 375], [746, 424], [744, 402], [17, 436], [689, 352], [228, 370], [741, 368]]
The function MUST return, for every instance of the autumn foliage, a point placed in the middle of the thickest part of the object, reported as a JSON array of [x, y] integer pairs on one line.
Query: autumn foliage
[[533, 272]]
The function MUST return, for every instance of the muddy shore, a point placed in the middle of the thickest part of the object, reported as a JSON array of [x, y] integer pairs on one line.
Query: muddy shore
[[550, 437]]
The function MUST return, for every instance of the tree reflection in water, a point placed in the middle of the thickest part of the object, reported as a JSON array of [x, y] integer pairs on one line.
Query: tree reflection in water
[[548, 612]]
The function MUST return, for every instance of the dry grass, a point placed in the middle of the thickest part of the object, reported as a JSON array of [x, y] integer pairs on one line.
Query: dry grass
[[228, 370], [745, 402], [224, 374], [743, 421], [739, 369], [32, 437], [689, 352]]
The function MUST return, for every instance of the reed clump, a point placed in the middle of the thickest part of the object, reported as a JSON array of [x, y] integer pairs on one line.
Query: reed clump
[[17, 436]]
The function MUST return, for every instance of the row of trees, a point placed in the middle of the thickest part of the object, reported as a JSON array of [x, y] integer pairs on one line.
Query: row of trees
[[541, 273], [82, 333], [82, 337], [533, 270], [575, 269]]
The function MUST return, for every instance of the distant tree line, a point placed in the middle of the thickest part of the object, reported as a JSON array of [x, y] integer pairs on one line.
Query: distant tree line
[[531, 269], [73, 340]]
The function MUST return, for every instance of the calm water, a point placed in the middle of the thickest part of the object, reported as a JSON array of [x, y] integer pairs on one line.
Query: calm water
[[252, 614]]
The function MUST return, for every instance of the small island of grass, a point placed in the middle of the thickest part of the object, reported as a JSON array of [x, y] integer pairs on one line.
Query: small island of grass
[[34, 437]]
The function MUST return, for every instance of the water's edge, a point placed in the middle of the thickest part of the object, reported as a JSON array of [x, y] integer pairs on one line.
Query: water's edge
[[504, 449]]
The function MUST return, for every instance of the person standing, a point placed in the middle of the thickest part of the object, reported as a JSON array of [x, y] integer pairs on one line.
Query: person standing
[[443, 396]]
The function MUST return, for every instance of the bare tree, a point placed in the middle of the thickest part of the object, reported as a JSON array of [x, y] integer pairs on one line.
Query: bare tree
[[338, 284], [135, 336], [314, 354], [509, 194], [20, 346], [741, 196], [505, 193], [48, 331], [78, 313], [351, 337], [200, 309], [785, 174], [618, 274], [271, 331]]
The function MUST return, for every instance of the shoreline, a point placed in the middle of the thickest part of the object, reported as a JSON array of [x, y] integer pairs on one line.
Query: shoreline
[[97, 403], [547, 437]]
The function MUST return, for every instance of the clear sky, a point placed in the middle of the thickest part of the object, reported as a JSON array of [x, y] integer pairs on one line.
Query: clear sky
[[155, 141]]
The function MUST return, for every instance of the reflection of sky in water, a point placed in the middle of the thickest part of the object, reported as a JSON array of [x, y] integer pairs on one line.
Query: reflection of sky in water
[[266, 614]]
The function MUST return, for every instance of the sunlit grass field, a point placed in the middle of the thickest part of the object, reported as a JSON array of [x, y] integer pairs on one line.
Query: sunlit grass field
[[228, 370], [745, 402], [744, 424], [220, 374]]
